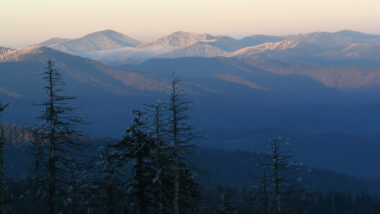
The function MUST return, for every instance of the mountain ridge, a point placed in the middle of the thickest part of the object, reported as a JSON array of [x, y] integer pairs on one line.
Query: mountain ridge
[[113, 47], [100, 40]]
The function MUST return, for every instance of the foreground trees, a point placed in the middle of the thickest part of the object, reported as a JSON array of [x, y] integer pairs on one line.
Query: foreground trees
[[158, 176], [154, 150], [153, 153]]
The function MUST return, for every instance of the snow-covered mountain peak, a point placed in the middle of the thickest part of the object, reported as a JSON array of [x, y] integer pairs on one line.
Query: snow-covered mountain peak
[[252, 50]]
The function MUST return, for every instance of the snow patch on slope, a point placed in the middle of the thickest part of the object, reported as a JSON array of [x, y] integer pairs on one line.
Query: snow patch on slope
[[257, 49]]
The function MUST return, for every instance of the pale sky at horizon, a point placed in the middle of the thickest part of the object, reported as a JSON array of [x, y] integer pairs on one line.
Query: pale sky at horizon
[[24, 22]]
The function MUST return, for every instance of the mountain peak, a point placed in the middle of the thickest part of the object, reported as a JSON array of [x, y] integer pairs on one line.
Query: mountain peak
[[184, 33], [179, 39], [97, 41], [188, 35], [107, 32], [181, 32]]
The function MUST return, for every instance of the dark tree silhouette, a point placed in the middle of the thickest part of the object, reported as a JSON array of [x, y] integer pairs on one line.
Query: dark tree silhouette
[[162, 155], [182, 136], [60, 133], [283, 173], [135, 151]]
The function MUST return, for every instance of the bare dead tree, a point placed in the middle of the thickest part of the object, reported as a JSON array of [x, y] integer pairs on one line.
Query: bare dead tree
[[59, 132], [282, 172], [182, 137], [155, 112], [163, 156]]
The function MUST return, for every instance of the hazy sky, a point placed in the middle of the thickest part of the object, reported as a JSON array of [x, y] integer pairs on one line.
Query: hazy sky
[[31, 21]]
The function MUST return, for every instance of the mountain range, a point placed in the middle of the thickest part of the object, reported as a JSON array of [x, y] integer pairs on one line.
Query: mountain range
[[346, 60], [310, 85], [320, 45]]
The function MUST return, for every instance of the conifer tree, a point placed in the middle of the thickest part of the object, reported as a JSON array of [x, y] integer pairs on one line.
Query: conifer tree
[[282, 172], [135, 151], [161, 158], [59, 133], [181, 135]]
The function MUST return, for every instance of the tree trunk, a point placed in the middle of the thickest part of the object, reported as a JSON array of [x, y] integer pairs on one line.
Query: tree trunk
[[176, 152], [52, 164]]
